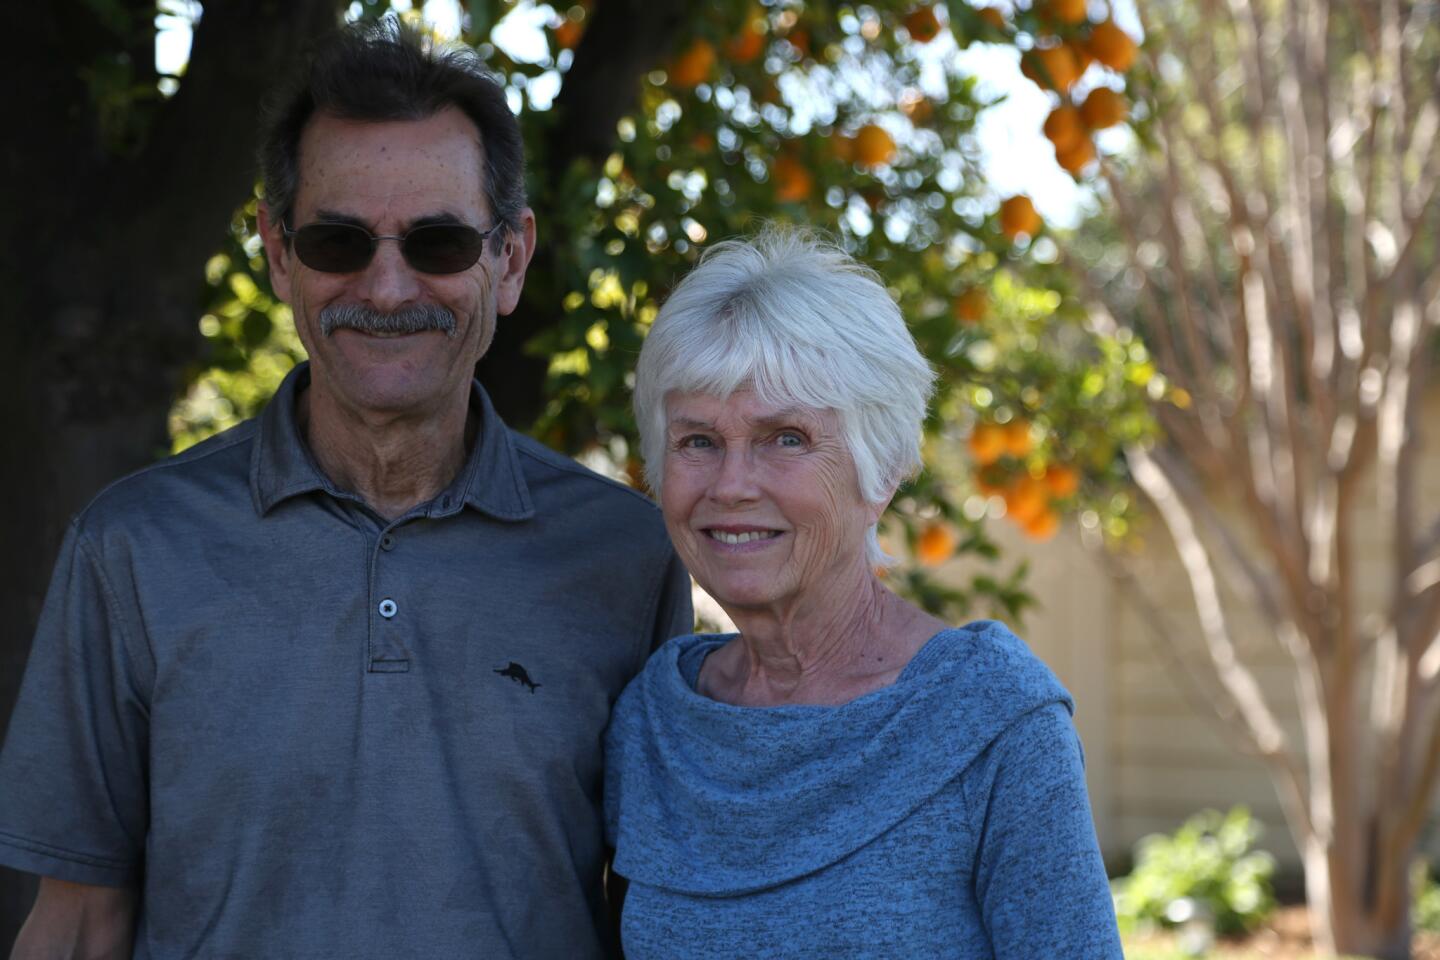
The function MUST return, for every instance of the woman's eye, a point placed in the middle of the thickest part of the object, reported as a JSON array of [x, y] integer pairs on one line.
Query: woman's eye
[[790, 440], [694, 442]]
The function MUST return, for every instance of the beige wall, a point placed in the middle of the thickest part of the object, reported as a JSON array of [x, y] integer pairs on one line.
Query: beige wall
[[1155, 751]]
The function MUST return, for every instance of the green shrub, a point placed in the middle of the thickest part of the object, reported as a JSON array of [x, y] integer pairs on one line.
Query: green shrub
[[1427, 900], [1208, 860]]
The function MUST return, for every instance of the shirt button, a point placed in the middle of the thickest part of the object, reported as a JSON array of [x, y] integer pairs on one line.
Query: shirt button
[[388, 608], [387, 542]]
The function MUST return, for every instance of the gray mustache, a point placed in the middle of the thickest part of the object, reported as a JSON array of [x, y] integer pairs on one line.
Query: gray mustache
[[412, 319]]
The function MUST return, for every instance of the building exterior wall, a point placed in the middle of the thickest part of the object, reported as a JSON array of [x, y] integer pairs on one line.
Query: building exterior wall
[[1156, 752]]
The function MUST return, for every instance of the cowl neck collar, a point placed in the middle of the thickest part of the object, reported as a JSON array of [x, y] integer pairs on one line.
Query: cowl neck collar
[[705, 798]]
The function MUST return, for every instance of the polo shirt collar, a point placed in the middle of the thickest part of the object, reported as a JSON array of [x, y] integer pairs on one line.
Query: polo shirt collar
[[281, 465]]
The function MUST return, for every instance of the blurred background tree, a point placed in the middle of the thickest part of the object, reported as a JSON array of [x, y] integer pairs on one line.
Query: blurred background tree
[[143, 319], [1276, 232]]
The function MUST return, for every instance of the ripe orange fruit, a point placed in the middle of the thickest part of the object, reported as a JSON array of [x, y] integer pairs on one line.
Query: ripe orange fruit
[[936, 544], [1054, 67], [1063, 481], [1017, 216], [693, 66], [1042, 526], [873, 146], [1025, 498], [1103, 108], [1083, 57], [793, 181], [1075, 158], [567, 34], [972, 305], [1112, 46], [749, 43], [922, 24], [1064, 127], [1017, 438], [992, 16], [1064, 11], [916, 108], [987, 443]]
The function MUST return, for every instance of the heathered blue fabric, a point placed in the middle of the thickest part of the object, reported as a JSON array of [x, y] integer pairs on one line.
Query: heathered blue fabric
[[944, 816]]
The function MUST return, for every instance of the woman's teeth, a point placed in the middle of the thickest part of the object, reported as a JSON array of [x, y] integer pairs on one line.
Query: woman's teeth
[[745, 537]]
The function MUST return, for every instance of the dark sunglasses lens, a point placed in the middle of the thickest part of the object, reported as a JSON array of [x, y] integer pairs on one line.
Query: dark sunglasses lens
[[443, 248], [334, 247]]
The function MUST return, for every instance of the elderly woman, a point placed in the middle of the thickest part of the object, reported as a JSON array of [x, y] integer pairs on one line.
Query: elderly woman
[[847, 776]]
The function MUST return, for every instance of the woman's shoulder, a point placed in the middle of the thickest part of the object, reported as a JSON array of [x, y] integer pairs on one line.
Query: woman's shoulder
[[681, 656], [984, 665], [666, 678]]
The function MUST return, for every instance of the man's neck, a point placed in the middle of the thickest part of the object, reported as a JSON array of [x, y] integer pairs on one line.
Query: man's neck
[[392, 461]]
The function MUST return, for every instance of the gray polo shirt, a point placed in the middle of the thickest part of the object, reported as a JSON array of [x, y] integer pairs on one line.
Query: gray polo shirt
[[306, 732]]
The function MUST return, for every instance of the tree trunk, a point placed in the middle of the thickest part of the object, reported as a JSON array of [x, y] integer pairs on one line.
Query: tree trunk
[[1348, 926], [105, 239], [624, 41]]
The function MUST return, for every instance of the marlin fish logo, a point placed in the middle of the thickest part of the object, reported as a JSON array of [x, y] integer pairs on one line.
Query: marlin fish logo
[[517, 673]]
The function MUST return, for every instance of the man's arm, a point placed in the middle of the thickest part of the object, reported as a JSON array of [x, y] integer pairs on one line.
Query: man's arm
[[78, 921]]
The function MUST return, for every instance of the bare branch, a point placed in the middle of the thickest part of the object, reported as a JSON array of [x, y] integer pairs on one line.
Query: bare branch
[[1155, 314], [1208, 702], [1237, 679]]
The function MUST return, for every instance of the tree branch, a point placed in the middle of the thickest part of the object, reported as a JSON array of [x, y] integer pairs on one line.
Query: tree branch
[[1236, 679], [203, 143], [625, 40]]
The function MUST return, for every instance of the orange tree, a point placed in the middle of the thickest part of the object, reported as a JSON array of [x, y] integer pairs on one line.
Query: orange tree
[[853, 118]]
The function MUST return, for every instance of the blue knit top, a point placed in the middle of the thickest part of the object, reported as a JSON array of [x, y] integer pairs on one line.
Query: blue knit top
[[943, 816]]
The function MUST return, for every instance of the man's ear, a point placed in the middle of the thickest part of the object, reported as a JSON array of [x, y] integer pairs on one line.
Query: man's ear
[[277, 252], [514, 259]]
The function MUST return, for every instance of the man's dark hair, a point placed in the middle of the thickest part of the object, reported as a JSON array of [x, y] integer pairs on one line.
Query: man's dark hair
[[388, 71]]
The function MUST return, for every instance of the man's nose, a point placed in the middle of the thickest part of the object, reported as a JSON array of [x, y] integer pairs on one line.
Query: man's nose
[[388, 281]]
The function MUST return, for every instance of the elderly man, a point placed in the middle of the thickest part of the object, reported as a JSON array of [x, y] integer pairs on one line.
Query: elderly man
[[333, 684]]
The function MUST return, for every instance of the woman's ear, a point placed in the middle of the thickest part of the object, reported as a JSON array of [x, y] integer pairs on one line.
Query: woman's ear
[[877, 509]]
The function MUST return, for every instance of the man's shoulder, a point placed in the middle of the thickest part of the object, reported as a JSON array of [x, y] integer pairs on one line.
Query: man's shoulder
[[219, 465], [550, 473]]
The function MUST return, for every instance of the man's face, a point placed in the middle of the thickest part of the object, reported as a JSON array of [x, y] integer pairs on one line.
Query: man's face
[[390, 177]]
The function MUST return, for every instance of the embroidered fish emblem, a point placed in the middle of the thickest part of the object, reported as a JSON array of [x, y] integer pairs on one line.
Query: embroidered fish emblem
[[517, 673]]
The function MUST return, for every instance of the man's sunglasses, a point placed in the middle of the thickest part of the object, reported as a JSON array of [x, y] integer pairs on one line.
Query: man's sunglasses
[[348, 248]]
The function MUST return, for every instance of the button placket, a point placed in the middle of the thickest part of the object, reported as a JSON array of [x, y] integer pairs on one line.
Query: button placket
[[388, 653]]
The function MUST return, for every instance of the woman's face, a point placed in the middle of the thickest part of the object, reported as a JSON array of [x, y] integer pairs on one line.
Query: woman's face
[[762, 501]]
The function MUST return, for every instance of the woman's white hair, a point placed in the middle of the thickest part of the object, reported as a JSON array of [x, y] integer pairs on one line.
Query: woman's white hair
[[798, 320]]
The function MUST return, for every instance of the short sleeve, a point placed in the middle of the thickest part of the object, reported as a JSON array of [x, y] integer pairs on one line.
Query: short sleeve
[[73, 773], [1039, 878]]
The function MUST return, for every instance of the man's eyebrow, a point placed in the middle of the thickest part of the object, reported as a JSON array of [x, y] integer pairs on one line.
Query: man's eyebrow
[[435, 219], [429, 220], [334, 216]]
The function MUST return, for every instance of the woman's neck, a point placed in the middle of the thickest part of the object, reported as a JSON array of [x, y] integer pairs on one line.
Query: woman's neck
[[830, 649]]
